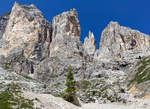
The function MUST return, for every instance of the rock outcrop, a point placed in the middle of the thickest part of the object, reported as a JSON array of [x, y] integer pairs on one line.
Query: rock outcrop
[[65, 49], [121, 42], [66, 35], [90, 44], [28, 31], [66, 24]]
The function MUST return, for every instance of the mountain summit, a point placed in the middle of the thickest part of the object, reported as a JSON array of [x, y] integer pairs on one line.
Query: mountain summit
[[121, 40]]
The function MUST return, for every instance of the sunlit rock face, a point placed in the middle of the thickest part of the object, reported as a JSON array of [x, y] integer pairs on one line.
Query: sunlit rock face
[[90, 44], [66, 35], [67, 23], [28, 31], [122, 41], [65, 49]]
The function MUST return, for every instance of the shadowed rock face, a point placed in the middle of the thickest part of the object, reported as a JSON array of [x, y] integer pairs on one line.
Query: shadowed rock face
[[3, 23], [27, 29]]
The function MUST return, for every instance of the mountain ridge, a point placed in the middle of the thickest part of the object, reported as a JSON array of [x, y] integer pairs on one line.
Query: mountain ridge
[[43, 51]]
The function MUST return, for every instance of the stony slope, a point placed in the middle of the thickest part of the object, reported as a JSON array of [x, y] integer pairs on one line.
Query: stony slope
[[22, 97], [46, 101]]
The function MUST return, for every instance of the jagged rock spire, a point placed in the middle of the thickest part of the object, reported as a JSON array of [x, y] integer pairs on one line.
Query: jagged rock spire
[[90, 44]]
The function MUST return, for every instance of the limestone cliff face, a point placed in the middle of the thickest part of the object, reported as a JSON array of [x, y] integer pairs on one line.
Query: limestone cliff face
[[65, 49], [27, 29], [66, 35], [67, 24], [121, 41], [90, 44]]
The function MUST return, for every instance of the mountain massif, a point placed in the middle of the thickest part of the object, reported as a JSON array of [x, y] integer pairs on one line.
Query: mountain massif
[[35, 55]]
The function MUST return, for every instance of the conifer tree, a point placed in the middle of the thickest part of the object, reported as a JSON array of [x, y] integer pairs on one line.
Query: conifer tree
[[70, 82], [70, 93]]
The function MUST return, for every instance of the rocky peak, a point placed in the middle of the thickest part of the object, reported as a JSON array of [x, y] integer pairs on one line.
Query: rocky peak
[[26, 9], [121, 41], [66, 35], [67, 23], [90, 44], [28, 30], [113, 26]]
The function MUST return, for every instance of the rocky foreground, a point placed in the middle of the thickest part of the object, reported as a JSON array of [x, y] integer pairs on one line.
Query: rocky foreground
[[33, 96], [35, 55], [51, 102]]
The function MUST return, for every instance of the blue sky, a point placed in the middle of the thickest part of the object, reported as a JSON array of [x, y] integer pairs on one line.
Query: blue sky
[[94, 15]]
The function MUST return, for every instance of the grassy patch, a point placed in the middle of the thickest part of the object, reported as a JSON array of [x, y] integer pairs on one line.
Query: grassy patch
[[143, 71], [11, 98], [142, 75]]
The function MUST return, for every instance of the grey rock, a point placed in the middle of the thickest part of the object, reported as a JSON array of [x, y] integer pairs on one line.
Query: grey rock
[[121, 41], [26, 39], [66, 24], [3, 23], [103, 54], [28, 29], [66, 35], [90, 44], [8, 76]]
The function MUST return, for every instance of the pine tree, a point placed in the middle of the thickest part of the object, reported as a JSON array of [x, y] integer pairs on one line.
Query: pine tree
[[70, 82], [70, 93]]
